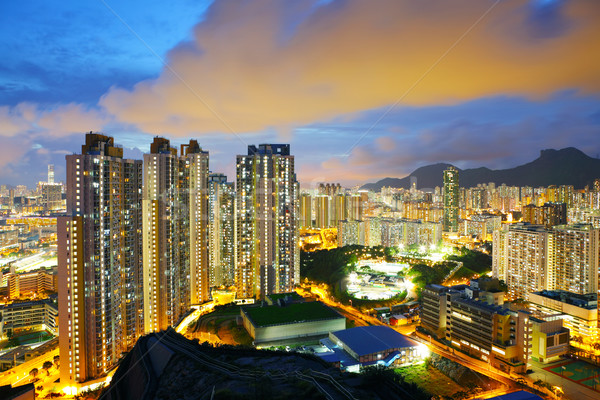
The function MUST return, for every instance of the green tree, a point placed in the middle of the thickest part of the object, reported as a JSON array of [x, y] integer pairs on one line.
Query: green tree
[[46, 366]]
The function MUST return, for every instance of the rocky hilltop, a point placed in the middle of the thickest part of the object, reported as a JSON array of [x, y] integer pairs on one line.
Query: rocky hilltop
[[167, 366]]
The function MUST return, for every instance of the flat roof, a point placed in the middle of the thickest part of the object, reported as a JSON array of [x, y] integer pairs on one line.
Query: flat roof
[[364, 340], [518, 395], [483, 306], [292, 313], [587, 301]]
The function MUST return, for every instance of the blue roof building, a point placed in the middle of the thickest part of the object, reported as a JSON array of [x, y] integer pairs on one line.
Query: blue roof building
[[370, 345]]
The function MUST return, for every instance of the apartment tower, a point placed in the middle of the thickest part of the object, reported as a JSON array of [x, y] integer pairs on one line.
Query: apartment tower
[[175, 204], [99, 260], [221, 227], [451, 199], [266, 221]]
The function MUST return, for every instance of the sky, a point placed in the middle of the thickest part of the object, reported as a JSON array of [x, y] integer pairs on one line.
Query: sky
[[362, 90]]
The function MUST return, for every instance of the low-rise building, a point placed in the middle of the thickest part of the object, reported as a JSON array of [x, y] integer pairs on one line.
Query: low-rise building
[[371, 345], [478, 323], [41, 315], [275, 324], [579, 312], [38, 282]]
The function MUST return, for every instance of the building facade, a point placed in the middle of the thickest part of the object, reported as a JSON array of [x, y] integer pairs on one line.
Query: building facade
[[266, 221], [451, 209], [221, 220], [99, 260], [520, 259]]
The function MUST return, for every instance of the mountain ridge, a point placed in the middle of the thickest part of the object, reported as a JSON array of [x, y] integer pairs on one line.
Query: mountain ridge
[[568, 166]]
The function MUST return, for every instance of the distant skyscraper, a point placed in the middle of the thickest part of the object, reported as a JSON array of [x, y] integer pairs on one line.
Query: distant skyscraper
[[339, 209], [99, 260], [451, 199], [221, 220], [266, 221], [50, 173], [413, 183], [549, 214], [322, 219], [306, 210], [355, 207]]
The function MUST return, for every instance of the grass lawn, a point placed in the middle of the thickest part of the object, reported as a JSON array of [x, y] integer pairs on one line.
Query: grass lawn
[[298, 312], [429, 379]]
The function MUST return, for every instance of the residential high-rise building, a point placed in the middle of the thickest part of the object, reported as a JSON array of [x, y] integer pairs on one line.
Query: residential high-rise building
[[355, 207], [549, 214], [305, 210], [531, 258], [175, 232], [99, 260], [266, 221], [339, 209], [221, 220], [322, 203], [193, 178], [165, 271], [520, 259], [573, 259], [451, 199]]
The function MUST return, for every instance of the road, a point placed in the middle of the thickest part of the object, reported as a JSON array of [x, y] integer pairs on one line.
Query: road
[[572, 390], [476, 365], [20, 374]]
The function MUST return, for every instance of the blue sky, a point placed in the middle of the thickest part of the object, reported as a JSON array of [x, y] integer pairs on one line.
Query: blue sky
[[361, 90]]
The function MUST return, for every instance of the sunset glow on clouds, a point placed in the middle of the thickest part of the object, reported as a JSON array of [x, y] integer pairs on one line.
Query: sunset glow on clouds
[[321, 74]]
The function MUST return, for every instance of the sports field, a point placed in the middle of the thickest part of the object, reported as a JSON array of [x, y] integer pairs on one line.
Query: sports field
[[580, 372]]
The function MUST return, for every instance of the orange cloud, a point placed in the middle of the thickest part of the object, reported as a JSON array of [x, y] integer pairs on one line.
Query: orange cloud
[[246, 70], [59, 121]]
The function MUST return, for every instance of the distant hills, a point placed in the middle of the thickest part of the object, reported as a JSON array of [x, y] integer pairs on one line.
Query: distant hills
[[568, 166]]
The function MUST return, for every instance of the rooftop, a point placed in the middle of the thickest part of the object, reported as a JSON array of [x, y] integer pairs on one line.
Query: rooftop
[[365, 340], [518, 395], [483, 306], [292, 313], [588, 301]]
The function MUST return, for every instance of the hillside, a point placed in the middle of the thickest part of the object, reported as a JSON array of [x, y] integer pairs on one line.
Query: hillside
[[167, 366], [568, 166]]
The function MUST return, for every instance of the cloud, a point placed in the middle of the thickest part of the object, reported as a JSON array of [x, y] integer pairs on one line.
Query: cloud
[[60, 121], [476, 141], [346, 56]]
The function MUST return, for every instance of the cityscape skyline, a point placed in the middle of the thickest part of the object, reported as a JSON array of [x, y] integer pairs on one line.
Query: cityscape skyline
[[221, 198], [444, 93]]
